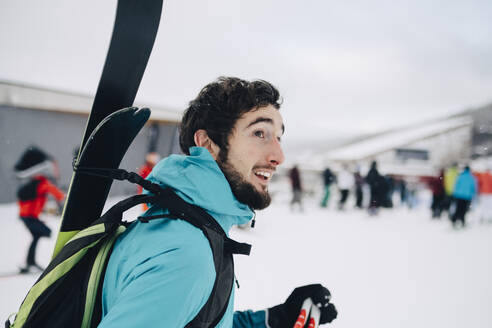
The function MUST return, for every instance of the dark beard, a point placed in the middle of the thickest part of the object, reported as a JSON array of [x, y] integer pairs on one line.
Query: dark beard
[[244, 191]]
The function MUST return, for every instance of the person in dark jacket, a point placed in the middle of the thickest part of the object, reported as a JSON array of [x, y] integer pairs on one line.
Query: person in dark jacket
[[359, 184], [465, 189], [328, 179], [295, 182], [377, 185], [162, 272], [33, 166], [402, 185], [388, 192], [436, 185]]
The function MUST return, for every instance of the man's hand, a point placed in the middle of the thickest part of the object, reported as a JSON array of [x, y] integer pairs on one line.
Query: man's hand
[[285, 315]]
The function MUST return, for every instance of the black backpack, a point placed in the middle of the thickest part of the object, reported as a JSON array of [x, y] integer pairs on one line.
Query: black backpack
[[68, 292], [29, 190]]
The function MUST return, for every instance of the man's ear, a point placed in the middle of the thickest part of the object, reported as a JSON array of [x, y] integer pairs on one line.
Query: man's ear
[[202, 139]]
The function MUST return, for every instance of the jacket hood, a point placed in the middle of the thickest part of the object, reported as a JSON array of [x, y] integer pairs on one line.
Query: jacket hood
[[198, 180]]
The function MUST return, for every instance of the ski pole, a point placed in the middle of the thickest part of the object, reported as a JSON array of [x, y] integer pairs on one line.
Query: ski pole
[[314, 316], [303, 314]]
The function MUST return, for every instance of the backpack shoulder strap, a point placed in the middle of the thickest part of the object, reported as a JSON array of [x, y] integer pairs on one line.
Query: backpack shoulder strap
[[198, 217], [222, 249]]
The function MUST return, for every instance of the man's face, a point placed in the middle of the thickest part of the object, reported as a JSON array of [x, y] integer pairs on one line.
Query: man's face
[[253, 156]]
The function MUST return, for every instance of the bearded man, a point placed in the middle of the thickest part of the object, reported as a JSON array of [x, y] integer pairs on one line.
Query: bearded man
[[161, 273]]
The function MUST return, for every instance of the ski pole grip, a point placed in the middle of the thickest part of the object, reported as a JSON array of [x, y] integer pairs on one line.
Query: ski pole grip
[[303, 314], [314, 316]]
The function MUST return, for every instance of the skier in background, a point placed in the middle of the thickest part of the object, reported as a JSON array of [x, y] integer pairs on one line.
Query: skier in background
[[359, 184], [412, 187], [377, 186], [162, 272], [450, 175], [402, 185], [151, 160], [328, 179], [485, 195], [35, 166], [345, 182], [436, 185], [295, 182], [389, 190], [464, 191]]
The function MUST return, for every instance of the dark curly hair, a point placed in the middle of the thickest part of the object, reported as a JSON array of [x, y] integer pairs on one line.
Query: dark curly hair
[[219, 105]]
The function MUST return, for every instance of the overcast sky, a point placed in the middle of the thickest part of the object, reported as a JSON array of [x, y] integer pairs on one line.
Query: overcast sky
[[343, 67]]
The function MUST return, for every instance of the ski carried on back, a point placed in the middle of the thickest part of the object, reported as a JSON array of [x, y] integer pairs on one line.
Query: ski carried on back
[[134, 33]]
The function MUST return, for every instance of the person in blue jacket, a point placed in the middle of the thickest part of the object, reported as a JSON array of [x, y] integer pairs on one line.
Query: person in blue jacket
[[161, 273], [465, 188]]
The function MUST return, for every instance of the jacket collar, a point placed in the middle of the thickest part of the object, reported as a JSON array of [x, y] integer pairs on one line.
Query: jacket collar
[[198, 180]]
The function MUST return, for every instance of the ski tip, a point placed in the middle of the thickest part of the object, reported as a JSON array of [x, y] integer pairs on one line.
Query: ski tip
[[143, 111]]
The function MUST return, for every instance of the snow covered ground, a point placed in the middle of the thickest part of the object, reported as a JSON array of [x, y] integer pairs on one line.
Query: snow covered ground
[[400, 269]]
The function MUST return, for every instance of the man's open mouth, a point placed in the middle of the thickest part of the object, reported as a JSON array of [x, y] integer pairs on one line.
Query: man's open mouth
[[264, 175]]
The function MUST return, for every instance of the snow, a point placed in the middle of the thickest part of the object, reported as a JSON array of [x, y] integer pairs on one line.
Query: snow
[[399, 269]]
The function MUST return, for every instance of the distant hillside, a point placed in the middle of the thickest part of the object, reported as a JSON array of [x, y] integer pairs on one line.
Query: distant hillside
[[481, 135], [297, 149]]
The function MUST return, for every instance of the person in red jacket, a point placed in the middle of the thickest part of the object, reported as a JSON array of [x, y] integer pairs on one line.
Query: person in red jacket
[[32, 196], [485, 194], [151, 160]]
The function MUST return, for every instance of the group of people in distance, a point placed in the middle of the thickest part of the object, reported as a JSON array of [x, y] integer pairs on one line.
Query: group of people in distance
[[454, 191], [347, 182]]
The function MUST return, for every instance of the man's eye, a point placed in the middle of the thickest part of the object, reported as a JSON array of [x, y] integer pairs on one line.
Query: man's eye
[[259, 134]]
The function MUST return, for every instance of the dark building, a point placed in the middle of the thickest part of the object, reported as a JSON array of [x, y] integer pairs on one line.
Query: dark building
[[55, 122]]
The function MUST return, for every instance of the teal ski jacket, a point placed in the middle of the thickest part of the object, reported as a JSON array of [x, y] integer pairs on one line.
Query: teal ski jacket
[[465, 186], [161, 273]]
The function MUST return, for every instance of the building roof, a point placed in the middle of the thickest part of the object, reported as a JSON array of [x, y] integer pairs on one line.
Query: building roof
[[38, 98], [395, 139]]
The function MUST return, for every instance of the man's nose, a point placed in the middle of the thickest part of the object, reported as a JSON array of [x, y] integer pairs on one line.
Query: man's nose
[[276, 155]]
